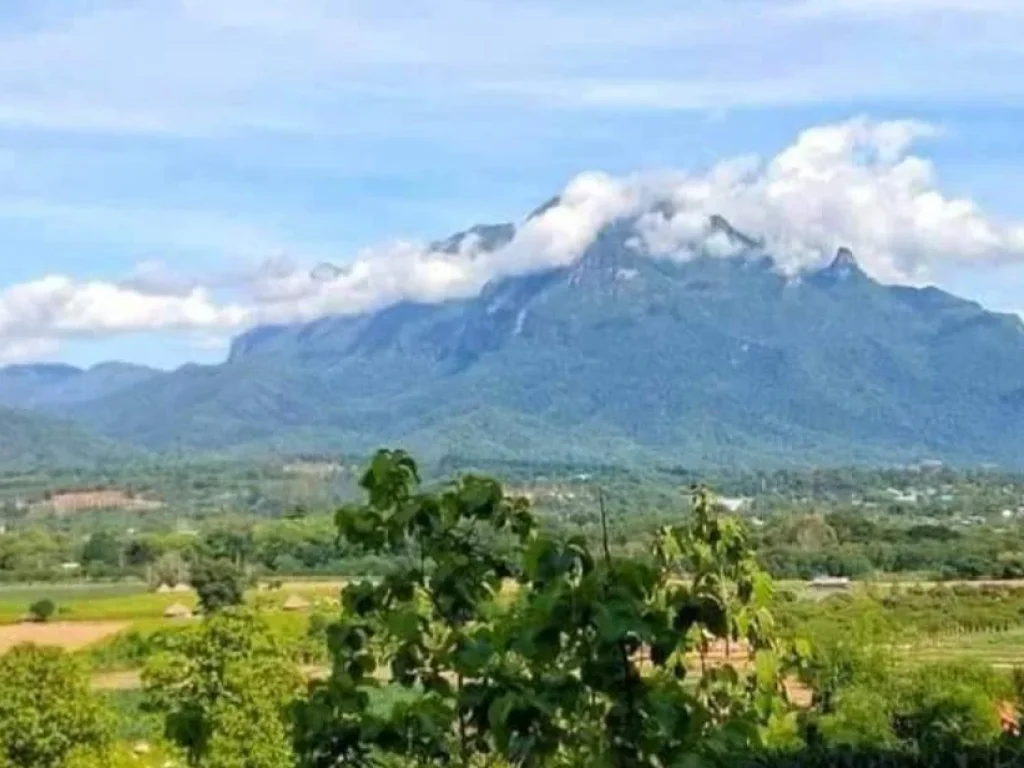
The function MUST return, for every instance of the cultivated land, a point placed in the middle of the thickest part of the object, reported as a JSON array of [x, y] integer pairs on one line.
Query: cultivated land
[[1000, 649], [71, 635], [134, 601], [91, 617]]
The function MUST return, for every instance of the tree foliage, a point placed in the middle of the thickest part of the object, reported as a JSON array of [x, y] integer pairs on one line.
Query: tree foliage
[[42, 610], [225, 688], [169, 568], [218, 583], [534, 648], [47, 710]]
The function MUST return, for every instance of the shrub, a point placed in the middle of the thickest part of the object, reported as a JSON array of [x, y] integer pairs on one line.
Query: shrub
[[47, 710], [42, 610]]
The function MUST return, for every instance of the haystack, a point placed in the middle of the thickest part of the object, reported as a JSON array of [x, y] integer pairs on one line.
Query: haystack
[[178, 611], [181, 587], [296, 603], [163, 589]]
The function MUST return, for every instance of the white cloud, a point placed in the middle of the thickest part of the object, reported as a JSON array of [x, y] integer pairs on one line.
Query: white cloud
[[213, 67], [57, 307], [854, 184], [156, 278], [27, 350]]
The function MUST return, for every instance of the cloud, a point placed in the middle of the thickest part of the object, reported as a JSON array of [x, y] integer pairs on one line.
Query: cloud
[[856, 184], [219, 67], [156, 278], [35, 315], [27, 350], [853, 184]]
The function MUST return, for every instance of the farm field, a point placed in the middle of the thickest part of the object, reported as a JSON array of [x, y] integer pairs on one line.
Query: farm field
[[1002, 649], [71, 635], [134, 601], [96, 620]]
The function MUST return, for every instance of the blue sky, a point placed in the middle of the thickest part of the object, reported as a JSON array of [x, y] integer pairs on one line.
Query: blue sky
[[170, 170]]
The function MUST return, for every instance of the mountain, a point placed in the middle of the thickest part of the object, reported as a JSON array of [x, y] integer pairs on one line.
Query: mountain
[[619, 357], [51, 385], [33, 441]]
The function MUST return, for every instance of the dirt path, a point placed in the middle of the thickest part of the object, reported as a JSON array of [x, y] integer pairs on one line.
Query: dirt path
[[70, 635]]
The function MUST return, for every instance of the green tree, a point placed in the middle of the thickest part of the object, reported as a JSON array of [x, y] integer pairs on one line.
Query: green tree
[[530, 647], [141, 552], [944, 707], [423, 623], [102, 548], [170, 569], [224, 689], [230, 540], [42, 610], [47, 710], [859, 717], [218, 583]]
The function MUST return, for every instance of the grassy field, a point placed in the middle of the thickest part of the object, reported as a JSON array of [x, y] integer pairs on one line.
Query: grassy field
[[998, 649], [130, 608], [83, 607], [129, 601], [133, 601]]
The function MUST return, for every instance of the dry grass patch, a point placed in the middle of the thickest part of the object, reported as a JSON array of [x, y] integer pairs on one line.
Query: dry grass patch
[[69, 635]]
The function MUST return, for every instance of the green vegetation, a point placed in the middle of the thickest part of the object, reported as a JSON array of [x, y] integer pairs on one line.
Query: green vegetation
[[34, 441], [86, 605], [585, 631], [224, 689], [218, 583], [133, 722], [42, 610], [47, 712], [619, 358], [269, 519]]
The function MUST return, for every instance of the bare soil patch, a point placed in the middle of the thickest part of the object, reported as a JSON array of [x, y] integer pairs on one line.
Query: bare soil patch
[[69, 501], [70, 635]]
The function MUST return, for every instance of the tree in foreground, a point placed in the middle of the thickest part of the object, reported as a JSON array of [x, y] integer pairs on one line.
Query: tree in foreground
[[519, 646], [47, 711], [225, 688]]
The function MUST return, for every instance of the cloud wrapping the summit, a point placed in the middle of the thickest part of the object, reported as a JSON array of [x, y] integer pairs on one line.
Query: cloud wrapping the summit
[[855, 184]]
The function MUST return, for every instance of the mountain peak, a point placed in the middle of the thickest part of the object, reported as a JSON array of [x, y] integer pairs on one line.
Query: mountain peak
[[488, 237], [607, 256], [546, 206], [843, 267], [720, 225], [704, 359], [845, 259]]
